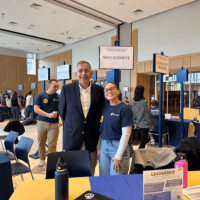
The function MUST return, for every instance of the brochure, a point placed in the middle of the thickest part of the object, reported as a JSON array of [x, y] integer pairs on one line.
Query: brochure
[[192, 192], [164, 184]]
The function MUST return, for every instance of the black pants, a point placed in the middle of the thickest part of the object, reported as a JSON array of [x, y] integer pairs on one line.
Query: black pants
[[144, 137]]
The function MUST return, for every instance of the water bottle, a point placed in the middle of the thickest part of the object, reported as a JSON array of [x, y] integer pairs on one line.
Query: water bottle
[[61, 180], [195, 118], [184, 164]]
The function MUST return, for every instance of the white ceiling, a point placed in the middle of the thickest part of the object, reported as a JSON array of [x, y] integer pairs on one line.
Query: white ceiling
[[68, 20]]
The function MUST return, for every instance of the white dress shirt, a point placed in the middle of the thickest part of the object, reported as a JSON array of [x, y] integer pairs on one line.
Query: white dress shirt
[[85, 97]]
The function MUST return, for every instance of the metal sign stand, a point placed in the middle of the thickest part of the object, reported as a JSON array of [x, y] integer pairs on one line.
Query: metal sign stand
[[161, 66], [182, 76], [114, 75], [63, 81], [20, 88], [33, 86]]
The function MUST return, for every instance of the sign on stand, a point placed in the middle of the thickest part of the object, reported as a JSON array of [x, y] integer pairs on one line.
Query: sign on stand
[[161, 66], [63, 72], [43, 74]]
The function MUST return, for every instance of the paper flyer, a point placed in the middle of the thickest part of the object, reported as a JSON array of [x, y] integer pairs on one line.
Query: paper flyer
[[192, 192], [164, 184]]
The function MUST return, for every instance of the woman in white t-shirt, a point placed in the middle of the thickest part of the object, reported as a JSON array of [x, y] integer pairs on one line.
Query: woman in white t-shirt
[[29, 103]]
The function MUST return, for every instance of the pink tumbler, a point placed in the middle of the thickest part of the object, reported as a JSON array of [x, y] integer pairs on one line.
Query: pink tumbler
[[184, 165]]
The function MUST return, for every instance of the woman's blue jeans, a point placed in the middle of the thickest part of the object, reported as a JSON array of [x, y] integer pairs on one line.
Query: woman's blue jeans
[[107, 152]]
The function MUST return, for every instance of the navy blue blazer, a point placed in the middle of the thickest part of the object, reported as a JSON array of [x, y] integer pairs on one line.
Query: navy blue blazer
[[77, 128]]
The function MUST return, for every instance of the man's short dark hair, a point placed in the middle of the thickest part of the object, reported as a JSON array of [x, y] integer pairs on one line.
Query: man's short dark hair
[[155, 103], [84, 62], [51, 80]]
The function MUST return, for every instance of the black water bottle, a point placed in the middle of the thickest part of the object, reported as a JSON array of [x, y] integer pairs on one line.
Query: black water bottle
[[61, 180]]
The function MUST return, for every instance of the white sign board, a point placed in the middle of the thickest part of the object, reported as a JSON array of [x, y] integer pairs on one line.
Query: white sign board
[[164, 184], [43, 74], [116, 57], [161, 64], [63, 72], [192, 193]]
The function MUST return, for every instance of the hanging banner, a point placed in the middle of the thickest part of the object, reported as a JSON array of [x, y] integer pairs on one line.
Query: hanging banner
[[160, 64], [115, 57]]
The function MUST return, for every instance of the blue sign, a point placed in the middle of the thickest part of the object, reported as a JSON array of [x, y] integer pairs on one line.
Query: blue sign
[[94, 76], [182, 76]]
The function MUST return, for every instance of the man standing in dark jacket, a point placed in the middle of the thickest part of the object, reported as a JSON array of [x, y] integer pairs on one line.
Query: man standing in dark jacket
[[80, 109]]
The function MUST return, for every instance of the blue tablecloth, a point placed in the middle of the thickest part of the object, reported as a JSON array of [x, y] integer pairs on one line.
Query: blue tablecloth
[[112, 186], [6, 185], [175, 130]]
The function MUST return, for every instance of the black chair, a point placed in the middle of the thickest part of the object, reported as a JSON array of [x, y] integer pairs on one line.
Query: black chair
[[78, 163], [155, 128], [5, 111], [9, 145], [22, 149]]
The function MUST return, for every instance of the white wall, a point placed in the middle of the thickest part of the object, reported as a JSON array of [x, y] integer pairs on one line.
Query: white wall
[[87, 49], [175, 32], [12, 52]]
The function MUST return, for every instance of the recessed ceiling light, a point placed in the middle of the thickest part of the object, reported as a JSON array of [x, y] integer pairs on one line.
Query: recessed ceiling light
[[97, 27], [39, 49], [34, 43], [69, 38], [82, 22], [36, 6], [138, 12], [62, 33], [54, 34], [122, 4], [12, 38], [13, 23], [49, 45], [55, 13], [30, 27]]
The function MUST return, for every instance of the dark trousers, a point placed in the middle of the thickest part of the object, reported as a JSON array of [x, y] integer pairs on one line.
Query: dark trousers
[[16, 112], [144, 137], [28, 111]]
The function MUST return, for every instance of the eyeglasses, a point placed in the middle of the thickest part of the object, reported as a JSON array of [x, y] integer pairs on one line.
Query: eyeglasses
[[111, 89], [85, 70]]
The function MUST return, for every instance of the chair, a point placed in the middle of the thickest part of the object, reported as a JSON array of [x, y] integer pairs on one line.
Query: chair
[[5, 111], [22, 149], [2, 137], [78, 163], [155, 127], [9, 142], [152, 159]]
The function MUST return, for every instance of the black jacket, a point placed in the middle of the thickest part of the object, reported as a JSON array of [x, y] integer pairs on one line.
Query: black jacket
[[76, 128], [14, 125]]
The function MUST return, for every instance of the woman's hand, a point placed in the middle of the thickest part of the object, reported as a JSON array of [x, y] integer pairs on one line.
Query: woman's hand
[[98, 154], [117, 164], [135, 126]]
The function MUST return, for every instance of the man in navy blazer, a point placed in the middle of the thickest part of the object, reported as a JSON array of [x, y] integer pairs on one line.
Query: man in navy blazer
[[80, 108]]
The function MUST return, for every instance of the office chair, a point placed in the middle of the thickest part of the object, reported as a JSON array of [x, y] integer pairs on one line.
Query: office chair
[[155, 128], [78, 163], [22, 149], [9, 143]]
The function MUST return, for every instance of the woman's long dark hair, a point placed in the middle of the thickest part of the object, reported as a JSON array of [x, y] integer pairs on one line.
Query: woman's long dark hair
[[14, 96], [139, 93]]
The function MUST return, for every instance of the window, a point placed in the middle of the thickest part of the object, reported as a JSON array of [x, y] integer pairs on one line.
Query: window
[[31, 63]]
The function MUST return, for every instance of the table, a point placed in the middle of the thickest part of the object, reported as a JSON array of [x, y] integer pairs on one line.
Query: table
[[175, 130], [6, 185], [124, 187]]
